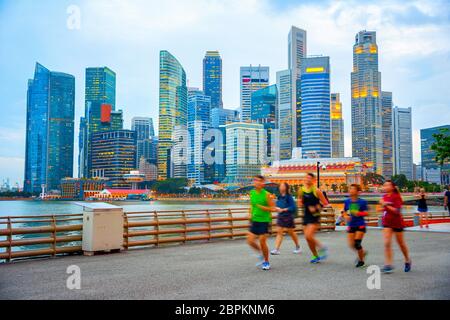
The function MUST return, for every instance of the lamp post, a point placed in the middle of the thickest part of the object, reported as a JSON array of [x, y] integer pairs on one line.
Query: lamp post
[[318, 174]]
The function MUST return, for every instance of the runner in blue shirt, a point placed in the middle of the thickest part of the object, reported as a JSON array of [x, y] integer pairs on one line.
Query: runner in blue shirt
[[355, 209]]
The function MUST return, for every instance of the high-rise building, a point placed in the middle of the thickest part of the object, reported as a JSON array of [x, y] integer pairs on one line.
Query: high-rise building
[[245, 150], [199, 114], [252, 79], [284, 114], [145, 139], [402, 142], [172, 106], [212, 78], [432, 170], [263, 111], [99, 115], [113, 156], [315, 95], [296, 52], [50, 129], [221, 116], [367, 138], [337, 127], [143, 127], [386, 120]]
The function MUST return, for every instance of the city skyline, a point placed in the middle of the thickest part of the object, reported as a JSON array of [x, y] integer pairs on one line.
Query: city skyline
[[138, 98]]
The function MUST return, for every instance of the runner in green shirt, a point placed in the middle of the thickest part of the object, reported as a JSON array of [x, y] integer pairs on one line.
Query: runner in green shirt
[[260, 218]]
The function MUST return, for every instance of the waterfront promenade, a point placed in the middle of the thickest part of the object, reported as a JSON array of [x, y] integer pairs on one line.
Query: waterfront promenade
[[225, 269]]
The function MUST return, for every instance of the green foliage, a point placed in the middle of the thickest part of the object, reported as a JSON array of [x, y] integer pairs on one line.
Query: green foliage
[[400, 180], [16, 194], [442, 146], [372, 178], [172, 185]]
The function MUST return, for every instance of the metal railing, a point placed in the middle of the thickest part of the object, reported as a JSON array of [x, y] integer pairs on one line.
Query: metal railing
[[51, 235]]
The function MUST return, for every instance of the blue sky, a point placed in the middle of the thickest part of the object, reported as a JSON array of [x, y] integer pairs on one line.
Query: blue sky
[[413, 39]]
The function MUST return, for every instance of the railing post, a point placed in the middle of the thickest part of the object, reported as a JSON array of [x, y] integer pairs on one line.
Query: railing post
[[9, 239], [230, 223], [157, 227], [54, 236], [209, 224], [125, 229], [183, 216]]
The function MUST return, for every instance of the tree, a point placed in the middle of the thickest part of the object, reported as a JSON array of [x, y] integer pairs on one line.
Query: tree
[[441, 146], [400, 180], [334, 187], [373, 178]]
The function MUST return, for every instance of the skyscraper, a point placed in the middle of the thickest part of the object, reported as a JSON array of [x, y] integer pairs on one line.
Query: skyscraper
[[403, 158], [337, 127], [100, 114], [315, 95], [212, 78], [252, 79], [199, 109], [386, 119], [143, 127], [172, 106], [284, 114], [222, 116], [245, 149], [429, 163], [50, 129], [296, 52], [367, 139], [113, 155], [263, 111]]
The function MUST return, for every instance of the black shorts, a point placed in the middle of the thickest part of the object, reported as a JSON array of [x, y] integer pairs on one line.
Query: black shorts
[[259, 228], [395, 229], [286, 222], [356, 229], [310, 219]]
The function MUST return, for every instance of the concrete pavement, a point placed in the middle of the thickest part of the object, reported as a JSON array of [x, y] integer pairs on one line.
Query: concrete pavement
[[226, 270]]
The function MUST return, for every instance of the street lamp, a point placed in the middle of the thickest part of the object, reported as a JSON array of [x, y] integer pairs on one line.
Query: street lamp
[[318, 173]]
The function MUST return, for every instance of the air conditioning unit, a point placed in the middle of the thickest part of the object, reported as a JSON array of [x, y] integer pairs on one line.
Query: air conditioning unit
[[102, 227]]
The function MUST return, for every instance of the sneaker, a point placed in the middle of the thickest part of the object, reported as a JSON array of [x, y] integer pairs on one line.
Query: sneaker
[[297, 250], [275, 252], [265, 265], [315, 259], [323, 253], [387, 269], [260, 260], [360, 264], [407, 266]]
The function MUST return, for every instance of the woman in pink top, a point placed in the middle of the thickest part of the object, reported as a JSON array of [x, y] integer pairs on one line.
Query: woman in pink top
[[391, 205]]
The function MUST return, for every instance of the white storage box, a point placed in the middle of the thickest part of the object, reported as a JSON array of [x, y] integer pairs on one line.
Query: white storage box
[[102, 227]]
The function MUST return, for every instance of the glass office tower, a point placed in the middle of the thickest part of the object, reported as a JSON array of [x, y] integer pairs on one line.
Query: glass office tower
[[402, 143], [252, 79], [172, 107], [337, 127], [386, 119], [100, 100], [50, 129], [367, 139], [212, 78], [284, 114], [315, 95]]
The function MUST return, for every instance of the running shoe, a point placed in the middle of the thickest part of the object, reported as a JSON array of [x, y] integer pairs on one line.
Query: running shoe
[[387, 269], [265, 265], [260, 260], [407, 266], [297, 250], [315, 259], [360, 264], [323, 253], [275, 252]]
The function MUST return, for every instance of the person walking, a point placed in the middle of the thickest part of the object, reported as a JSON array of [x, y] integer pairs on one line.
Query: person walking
[[422, 208], [287, 211], [312, 200], [392, 220], [260, 221]]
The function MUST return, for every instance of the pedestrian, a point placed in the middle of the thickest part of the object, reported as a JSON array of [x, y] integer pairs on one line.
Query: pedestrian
[[391, 205], [312, 200], [260, 221]]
